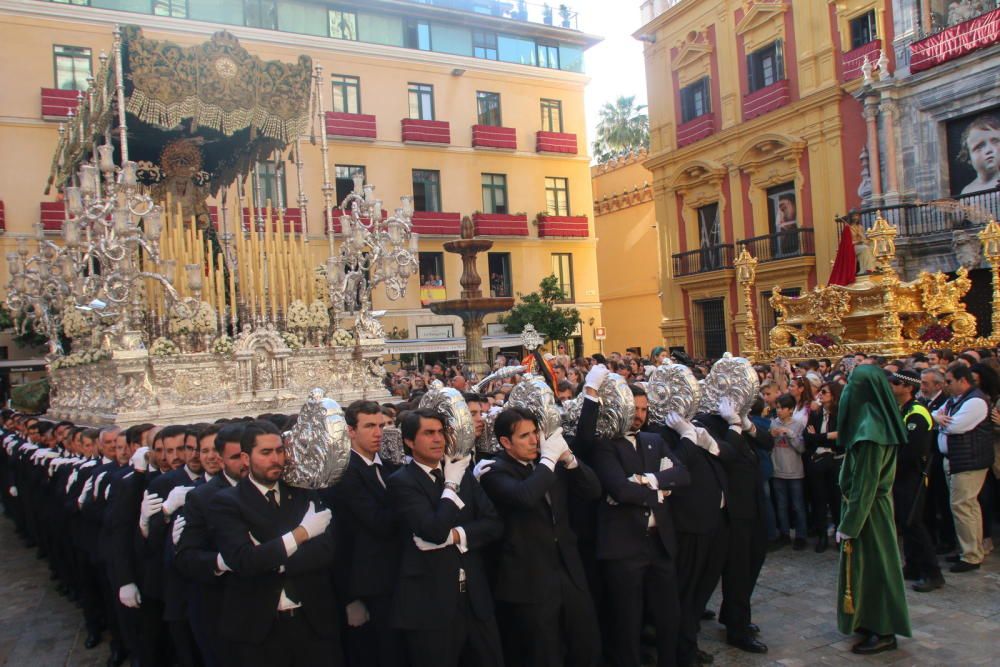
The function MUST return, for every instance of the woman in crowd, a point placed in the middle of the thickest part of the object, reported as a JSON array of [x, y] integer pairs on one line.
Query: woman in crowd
[[822, 462], [802, 391]]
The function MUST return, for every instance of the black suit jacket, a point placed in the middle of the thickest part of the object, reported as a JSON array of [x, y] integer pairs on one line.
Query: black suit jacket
[[369, 539], [262, 569], [154, 547], [427, 592], [695, 508], [745, 481], [195, 554], [126, 542], [623, 519], [537, 536]]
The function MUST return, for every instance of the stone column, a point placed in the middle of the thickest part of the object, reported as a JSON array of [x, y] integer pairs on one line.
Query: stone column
[[871, 121], [890, 112]]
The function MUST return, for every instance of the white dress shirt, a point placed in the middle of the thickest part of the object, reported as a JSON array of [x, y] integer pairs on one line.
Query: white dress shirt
[[968, 416]]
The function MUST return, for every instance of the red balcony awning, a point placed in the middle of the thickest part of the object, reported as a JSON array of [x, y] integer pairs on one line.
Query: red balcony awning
[[426, 131], [555, 142], [500, 224], [695, 129], [768, 98], [3, 218], [437, 222], [855, 58], [350, 125], [57, 104], [490, 136], [571, 226], [51, 215], [292, 217], [955, 42]]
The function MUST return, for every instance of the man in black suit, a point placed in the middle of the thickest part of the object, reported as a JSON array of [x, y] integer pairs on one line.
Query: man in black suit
[[747, 530], [443, 602], [635, 537], [699, 512], [546, 611], [278, 608], [197, 557], [369, 542]]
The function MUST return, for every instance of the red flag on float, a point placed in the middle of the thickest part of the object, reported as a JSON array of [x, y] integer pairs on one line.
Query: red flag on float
[[845, 266]]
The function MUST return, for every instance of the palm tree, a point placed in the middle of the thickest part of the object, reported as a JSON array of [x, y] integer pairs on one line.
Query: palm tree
[[623, 127]]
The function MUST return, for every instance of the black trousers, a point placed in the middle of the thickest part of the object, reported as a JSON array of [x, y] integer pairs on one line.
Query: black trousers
[[376, 643], [91, 597], [560, 631], [700, 561], [633, 586], [155, 649], [937, 510], [292, 642], [918, 546], [467, 641], [744, 559], [823, 492]]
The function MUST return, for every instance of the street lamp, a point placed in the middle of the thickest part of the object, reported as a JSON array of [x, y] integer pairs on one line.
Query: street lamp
[[746, 272], [990, 238]]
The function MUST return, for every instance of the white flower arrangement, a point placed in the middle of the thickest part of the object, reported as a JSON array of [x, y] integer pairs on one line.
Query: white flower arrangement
[[297, 317], [343, 338], [319, 317], [291, 340], [76, 324], [181, 326], [223, 346], [163, 347], [204, 321], [80, 359]]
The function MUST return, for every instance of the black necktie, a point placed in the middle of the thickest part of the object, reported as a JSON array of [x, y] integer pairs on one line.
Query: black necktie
[[438, 477], [272, 497]]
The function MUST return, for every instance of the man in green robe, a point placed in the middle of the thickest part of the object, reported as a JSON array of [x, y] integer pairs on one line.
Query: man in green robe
[[870, 591]]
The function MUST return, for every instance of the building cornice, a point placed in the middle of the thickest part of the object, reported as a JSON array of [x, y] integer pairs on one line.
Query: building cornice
[[614, 164], [334, 47], [741, 132], [612, 203]]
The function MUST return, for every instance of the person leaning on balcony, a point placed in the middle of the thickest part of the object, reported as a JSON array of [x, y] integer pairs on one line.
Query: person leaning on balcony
[[862, 250], [965, 437]]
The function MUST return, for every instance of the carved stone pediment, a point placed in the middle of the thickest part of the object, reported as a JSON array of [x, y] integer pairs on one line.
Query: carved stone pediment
[[761, 22]]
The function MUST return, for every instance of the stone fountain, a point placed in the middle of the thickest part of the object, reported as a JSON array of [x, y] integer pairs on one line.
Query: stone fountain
[[472, 307]]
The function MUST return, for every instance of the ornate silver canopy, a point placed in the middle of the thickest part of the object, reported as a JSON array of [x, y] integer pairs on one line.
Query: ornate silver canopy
[[732, 377], [318, 447], [672, 388], [535, 395], [392, 445], [461, 432], [571, 409]]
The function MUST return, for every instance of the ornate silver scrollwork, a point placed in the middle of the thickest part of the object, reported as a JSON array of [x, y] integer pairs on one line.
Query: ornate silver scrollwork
[[731, 377], [672, 388], [318, 447], [461, 432], [535, 395]]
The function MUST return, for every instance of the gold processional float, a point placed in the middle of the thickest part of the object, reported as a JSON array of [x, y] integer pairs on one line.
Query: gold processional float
[[170, 318], [878, 313]]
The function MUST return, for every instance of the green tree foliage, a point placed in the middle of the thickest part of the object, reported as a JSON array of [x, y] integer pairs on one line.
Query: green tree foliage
[[623, 127], [541, 310]]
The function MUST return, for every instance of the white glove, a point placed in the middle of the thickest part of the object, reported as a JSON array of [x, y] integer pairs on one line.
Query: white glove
[[129, 596], [151, 504], [87, 488], [97, 482], [178, 530], [728, 412], [705, 440], [357, 614], [315, 522], [139, 461], [482, 468], [424, 545], [13, 491], [596, 376], [681, 426], [221, 565], [554, 446], [840, 537], [176, 498], [454, 470]]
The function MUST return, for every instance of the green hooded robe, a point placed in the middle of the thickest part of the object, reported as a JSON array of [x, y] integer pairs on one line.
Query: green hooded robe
[[871, 430]]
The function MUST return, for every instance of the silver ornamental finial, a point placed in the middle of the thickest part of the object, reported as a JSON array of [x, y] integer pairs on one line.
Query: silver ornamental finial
[[531, 339]]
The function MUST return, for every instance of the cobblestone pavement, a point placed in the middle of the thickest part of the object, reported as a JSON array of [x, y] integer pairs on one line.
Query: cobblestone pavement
[[793, 604]]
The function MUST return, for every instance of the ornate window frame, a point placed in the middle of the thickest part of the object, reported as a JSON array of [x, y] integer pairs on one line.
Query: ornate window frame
[[699, 183], [762, 23], [771, 159]]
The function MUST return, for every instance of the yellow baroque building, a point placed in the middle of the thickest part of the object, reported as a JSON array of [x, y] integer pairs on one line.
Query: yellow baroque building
[[756, 142], [627, 261], [495, 96]]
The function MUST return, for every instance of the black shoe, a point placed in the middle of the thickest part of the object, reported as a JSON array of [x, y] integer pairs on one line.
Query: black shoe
[[118, 657], [753, 629], [928, 584], [707, 615], [963, 566], [702, 658], [822, 543], [748, 644], [92, 640], [953, 559], [799, 544], [875, 644]]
